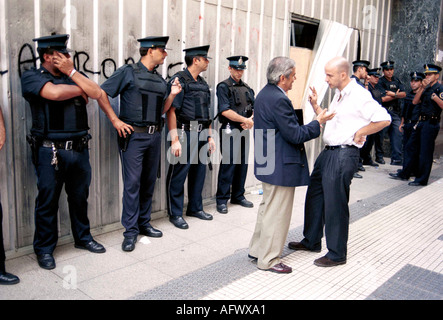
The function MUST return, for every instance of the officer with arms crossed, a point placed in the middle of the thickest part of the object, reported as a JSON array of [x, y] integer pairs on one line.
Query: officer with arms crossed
[[235, 101], [57, 95], [143, 99], [189, 123], [395, 91]]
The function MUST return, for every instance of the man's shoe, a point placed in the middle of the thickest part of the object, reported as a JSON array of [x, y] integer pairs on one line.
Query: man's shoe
[[179, 222], [370, 163], [397, 176], [46, 261], [200, 214], [150, 231], [356, 175], [244, 203], [92, 246], [280, 268], [298, 246], [415, 184], [361, 168], [326, 262], [8, 278], [381, 161], [396, 163], [222, 208], [128, 243]]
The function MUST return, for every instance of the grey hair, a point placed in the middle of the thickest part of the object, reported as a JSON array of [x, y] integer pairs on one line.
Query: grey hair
[[277, 67]]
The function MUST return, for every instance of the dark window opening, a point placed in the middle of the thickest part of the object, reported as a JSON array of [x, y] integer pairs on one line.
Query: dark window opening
[[303, 33]]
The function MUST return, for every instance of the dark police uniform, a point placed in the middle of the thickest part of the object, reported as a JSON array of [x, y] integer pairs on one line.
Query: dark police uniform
[[357, 64], [234, 142], [375, 138], [192, 109], [410, 115], [394, 110], [422, 140], [59, 141], [142, 95]]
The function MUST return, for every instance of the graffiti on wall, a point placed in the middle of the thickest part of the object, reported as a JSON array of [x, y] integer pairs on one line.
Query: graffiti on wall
[[27, 59]]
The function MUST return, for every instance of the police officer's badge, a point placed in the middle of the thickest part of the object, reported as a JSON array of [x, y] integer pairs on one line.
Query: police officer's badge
[[240, 61]]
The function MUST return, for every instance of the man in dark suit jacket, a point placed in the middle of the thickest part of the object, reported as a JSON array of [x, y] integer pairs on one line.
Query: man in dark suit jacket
[[280, 162]]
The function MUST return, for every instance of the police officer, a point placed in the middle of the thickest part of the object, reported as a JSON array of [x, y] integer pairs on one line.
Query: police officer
[[360, 72], [235, 107], [189, 123], [430, 95], [143, 99], [57, 95], [375, 138], [391, 101], [410, 115], [5, 277]]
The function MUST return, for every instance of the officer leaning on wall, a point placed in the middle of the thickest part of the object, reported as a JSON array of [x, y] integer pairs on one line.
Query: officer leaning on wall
[[189, 123], [235, 113], [58, 95]]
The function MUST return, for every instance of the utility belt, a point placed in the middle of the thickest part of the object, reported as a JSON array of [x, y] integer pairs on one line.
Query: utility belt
[[78, 144], [193, 125], [429, 118], [340, 146], [151, 129]]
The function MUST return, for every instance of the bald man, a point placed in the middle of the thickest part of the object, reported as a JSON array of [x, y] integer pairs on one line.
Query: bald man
[[357, 116]]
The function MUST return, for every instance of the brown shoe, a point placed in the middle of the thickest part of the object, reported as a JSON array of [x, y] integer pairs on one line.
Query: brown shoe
[[280, 268], [326, 262], [300, 247]]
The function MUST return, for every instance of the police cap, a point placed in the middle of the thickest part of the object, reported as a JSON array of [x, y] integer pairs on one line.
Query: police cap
[[362, 63], [57, 42], [374, 72], [153, 42], [238, 62], [387, 65], [432, 68], [201, 51], [417, 76]]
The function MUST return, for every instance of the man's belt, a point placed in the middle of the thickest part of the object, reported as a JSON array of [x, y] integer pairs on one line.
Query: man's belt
[[193, 125], [77, 144], [340, 146], [425, 117], [148, 129]]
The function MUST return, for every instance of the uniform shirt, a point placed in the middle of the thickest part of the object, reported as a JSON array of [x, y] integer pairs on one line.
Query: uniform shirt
[[180, 98], [32, 82], [182, 102], [358, 80], [355, 110], [122, 83], [377, 93], [428, 106], [225, 99], [394, 85], [410, 111]]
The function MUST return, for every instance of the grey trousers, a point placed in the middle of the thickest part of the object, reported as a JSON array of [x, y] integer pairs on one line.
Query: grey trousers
[[272, 226]]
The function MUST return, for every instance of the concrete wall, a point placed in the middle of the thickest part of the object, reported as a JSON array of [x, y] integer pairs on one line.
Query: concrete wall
[[104, 36]]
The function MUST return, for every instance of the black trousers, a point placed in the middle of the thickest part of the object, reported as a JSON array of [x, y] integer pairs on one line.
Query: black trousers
[[327, 201], [2, 248], [234, 165]]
